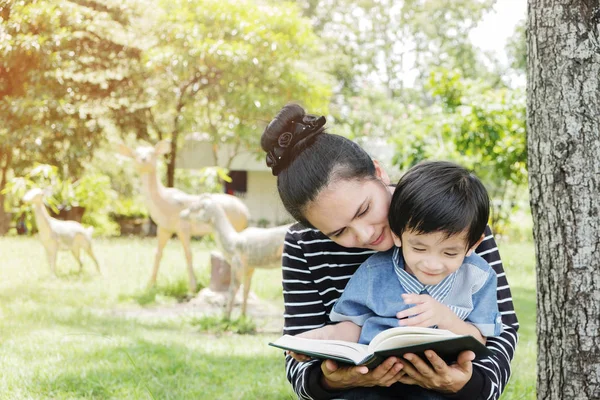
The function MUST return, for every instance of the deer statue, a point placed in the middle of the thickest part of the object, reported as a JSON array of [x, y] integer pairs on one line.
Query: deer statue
[[56, 234], [244, 251], [165, 205]]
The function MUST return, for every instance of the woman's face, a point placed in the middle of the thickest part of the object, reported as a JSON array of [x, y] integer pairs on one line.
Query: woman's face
[[354, 213]]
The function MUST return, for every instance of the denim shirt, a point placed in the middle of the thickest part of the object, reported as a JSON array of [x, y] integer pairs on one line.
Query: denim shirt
[[373, 295]]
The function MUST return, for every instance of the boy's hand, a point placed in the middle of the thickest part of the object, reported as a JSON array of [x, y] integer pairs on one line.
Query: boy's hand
[[427, 312]]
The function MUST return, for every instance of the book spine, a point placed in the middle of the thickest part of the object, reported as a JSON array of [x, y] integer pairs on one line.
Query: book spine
[[373, 361]]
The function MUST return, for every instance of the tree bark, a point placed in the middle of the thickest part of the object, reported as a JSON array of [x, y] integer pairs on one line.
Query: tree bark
[[171, 158], [563, 110], [6, 163]]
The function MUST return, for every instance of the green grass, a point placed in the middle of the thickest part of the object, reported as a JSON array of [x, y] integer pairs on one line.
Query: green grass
[[519, 263], [62, 338], [67, 338]]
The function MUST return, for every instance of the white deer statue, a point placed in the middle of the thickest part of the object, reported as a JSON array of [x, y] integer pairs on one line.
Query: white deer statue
[[59, 235], [165, 205], [244, 251]]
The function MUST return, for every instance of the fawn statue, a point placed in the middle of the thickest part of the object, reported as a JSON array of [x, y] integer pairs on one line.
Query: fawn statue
[[56, 234], [245, 251]]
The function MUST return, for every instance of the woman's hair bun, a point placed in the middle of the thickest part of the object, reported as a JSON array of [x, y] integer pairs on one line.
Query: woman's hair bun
[[280, 125], [288, 134]]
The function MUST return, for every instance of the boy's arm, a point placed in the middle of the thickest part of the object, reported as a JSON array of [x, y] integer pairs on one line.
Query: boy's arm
[[304, 310], [345, 330], [352, 305]]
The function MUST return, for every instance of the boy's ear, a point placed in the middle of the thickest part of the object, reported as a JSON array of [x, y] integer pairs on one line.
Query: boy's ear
[[380, 173], [397, 240], [475, 245]]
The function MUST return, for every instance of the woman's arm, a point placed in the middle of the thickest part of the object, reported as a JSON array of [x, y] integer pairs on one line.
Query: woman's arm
[[496, 369], [305, 309]]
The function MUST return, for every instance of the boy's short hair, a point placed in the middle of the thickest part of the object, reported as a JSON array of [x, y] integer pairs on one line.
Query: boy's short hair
[[440, 196]]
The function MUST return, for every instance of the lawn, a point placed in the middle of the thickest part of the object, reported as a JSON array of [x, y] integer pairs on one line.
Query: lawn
[[65, 337]]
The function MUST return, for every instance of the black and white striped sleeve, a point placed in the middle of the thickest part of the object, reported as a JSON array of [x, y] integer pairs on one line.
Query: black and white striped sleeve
[[496, 369], [304, 310]]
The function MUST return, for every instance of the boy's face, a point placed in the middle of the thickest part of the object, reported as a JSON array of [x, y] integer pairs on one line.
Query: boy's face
[[431, 257]]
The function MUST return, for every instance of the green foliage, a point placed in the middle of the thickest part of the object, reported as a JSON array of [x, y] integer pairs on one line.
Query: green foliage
[[517, 48], [224, 68], [205, 180], [91, 191], [213, 324], [129, 207], [480, 127], [378, 42], [163, 293], [61, 63]]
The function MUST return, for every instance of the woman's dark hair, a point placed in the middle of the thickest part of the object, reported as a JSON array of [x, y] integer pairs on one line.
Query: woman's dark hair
[[440, 196], [306, 159]]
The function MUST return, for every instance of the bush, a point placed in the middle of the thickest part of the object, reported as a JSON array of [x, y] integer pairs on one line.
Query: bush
[[91, 192]]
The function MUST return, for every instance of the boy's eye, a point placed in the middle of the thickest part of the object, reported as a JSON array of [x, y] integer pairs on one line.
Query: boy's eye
[[451, 254], [418, 250]]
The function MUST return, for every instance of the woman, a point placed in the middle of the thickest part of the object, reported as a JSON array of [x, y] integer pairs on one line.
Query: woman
[[340, 197]]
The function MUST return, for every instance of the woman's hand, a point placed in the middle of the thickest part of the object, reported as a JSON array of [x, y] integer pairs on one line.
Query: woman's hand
[[337, 377], [297, 356], [442, 377]]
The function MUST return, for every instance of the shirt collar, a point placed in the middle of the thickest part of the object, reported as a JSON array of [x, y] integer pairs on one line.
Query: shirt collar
[[412, 284]]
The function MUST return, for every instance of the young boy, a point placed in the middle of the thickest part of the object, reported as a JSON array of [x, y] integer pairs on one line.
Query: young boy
[[432, 278]]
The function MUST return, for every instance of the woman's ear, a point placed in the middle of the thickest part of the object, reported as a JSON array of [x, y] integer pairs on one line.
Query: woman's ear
[[380, 173], [472, 249]]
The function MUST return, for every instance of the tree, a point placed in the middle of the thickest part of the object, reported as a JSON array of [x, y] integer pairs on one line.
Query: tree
[[61, 63], [476, 125], [516, 48], [223, 68], [381, 41], [564, 167]]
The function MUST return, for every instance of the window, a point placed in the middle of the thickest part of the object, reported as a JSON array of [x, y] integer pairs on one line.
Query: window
[[238, 185]]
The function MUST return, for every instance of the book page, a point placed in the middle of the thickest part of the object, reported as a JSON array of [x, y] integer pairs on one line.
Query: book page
[[407, 335], [352, 351]]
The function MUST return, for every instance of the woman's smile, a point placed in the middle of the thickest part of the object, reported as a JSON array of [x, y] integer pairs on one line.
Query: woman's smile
[[379, 239]]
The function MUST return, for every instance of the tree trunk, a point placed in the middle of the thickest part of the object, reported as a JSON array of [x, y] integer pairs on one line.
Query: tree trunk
[[171, 159], [563, 107], [5, 161], [4, 218]]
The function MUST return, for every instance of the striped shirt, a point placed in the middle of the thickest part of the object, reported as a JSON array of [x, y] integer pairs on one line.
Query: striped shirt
[[315, 272]]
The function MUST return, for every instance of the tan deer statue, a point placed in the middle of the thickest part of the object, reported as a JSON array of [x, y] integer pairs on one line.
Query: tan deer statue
[[165, 204], [59, 235], [245, 251]]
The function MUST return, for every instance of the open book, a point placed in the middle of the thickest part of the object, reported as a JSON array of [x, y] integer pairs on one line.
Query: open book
[[391, 342]]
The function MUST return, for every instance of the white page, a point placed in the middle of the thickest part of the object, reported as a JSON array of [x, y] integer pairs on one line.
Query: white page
[[352, 351], [414, 335]]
